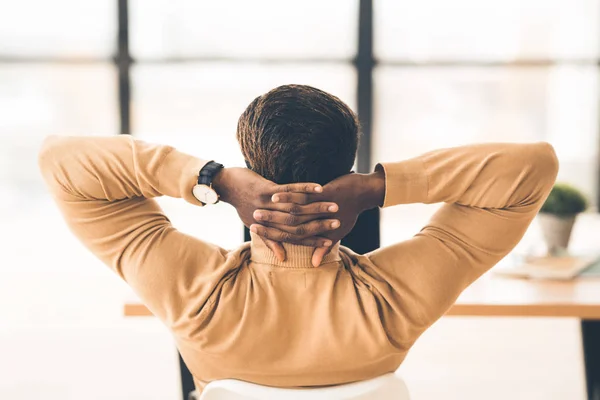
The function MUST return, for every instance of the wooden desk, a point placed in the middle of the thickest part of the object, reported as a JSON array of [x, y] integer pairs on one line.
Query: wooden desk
[[507, 297], [493, 296]]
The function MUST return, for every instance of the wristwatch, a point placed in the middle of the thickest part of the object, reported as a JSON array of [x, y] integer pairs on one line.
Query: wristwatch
[[203, 191]]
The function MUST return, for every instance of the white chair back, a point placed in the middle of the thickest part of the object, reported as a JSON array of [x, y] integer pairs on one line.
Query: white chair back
[[385, 387]]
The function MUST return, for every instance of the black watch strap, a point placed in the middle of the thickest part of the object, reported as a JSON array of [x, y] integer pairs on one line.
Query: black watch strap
[[208, 172]]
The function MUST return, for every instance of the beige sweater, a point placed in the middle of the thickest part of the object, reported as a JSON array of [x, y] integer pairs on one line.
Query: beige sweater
[[243, 314]]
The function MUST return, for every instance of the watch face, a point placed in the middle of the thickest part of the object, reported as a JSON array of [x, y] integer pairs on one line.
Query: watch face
[[205, 194]]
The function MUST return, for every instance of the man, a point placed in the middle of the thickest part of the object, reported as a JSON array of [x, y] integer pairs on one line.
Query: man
[[263, 313]]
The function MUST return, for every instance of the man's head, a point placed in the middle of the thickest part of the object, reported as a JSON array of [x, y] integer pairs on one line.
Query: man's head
[[296, 133]]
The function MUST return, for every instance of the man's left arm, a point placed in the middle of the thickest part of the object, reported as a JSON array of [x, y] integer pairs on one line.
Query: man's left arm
[[104, 187]]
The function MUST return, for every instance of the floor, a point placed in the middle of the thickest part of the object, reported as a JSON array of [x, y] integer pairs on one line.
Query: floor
[[62, 336]]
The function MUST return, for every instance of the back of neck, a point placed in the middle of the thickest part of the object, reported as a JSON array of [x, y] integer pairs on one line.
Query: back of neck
[[296, 256]]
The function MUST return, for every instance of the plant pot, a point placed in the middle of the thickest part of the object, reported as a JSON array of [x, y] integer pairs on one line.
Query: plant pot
[[556, 231]]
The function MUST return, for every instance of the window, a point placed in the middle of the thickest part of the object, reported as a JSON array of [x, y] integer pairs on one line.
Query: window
[[198, 65], [195, 106], [421, 74], [68, 30], [51, 81], [238, 29], [450, 73], [468, 30]]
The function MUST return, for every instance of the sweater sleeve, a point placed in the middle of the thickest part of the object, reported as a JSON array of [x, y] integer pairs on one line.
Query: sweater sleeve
[[104, 187], [492, 193]]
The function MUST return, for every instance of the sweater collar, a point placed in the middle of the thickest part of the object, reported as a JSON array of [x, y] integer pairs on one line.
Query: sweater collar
[[296, 256]]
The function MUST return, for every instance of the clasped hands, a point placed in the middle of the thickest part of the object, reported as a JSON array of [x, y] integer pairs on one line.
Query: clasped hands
[[305, 214]]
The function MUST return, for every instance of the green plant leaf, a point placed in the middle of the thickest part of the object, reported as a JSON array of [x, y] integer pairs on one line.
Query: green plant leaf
[[564, 200]]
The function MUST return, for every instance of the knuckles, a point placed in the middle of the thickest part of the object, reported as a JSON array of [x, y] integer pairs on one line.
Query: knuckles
[[291, 220], [285, 236], [300, 230], [264, 233], [295, 209]]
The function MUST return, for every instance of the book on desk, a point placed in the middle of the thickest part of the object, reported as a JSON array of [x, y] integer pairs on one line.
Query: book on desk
[[551, 267]]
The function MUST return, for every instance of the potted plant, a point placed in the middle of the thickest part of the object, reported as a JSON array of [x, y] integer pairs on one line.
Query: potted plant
[[558, 215]]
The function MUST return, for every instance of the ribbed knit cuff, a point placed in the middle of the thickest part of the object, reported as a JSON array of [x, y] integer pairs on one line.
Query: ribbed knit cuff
[[405, 182], [179, 174]]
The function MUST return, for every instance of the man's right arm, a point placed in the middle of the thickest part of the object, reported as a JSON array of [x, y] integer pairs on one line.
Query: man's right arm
[[492, 193]]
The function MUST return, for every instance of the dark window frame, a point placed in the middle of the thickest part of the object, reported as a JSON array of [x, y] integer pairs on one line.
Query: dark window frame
[[364, 63]]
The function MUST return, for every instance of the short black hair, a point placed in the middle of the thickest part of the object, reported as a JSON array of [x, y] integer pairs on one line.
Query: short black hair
[[297, 133]]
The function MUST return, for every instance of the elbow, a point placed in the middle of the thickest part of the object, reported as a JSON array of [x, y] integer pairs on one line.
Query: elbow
[[47, 153], [51, 157], [54, 148], [545, 164], [541, 172]]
